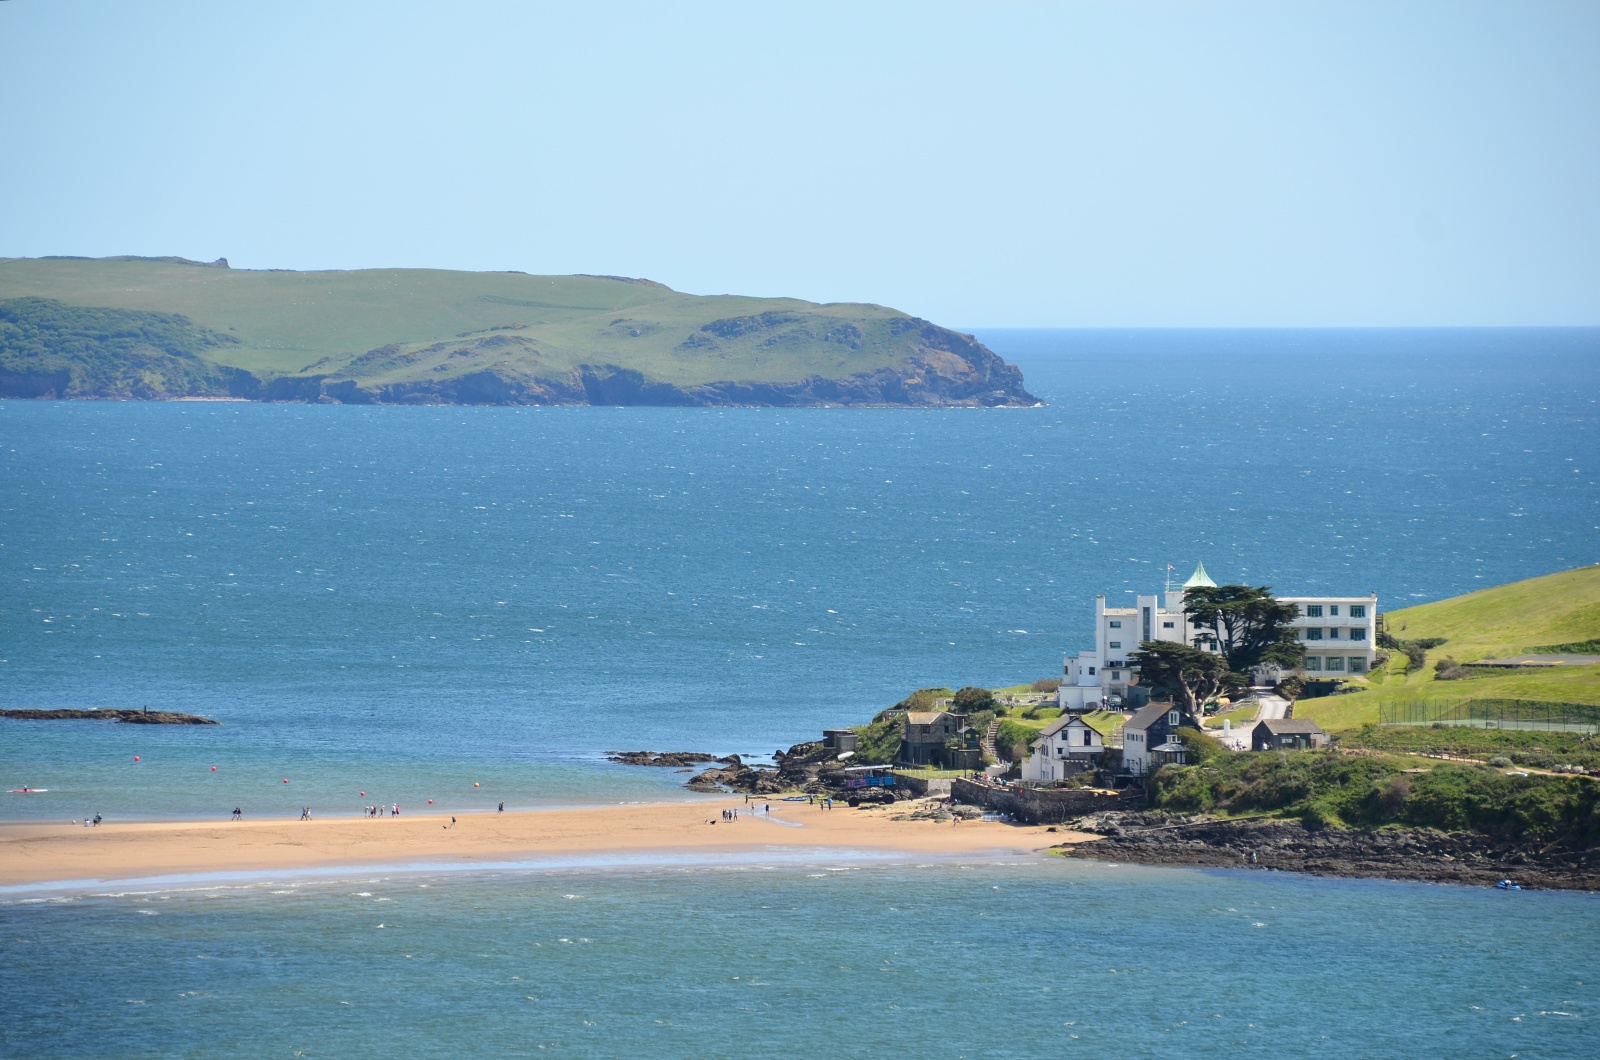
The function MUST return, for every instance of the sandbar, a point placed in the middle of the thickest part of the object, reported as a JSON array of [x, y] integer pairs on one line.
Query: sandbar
[[33, 853]]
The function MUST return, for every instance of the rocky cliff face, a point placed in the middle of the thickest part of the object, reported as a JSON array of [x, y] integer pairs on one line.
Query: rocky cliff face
[[50, 349], [946, 368]]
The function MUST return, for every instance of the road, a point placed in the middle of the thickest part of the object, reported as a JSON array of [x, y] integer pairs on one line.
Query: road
[[1268, 706]]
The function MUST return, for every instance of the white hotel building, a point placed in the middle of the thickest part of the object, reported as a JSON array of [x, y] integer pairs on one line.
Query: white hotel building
[[1339, 633]]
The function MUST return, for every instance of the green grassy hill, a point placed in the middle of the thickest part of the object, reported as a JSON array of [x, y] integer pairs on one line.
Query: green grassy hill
[[1558, 611], [145, 327]]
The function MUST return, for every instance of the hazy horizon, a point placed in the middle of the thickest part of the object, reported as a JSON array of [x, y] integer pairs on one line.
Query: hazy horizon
[[1030, 165]]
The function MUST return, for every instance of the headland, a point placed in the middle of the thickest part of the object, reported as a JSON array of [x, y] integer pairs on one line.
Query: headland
[[171, 329]]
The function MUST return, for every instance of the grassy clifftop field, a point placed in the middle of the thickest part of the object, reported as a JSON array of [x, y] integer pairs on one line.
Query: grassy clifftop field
[[1558, 614], [163, 328]]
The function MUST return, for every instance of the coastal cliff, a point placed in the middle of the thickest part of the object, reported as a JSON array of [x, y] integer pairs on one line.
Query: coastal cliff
[[165, 329]]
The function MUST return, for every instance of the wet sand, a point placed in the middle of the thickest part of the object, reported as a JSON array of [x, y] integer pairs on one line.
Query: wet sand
[[34, 853]]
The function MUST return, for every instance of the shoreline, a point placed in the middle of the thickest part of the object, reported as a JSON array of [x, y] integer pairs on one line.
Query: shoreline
[[1287, 845], [35, 857]]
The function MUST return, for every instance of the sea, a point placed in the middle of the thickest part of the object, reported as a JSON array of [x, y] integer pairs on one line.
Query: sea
[[462, 607]]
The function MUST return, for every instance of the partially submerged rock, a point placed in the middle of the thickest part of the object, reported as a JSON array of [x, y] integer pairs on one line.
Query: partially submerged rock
[[131, 717], [674, 759]]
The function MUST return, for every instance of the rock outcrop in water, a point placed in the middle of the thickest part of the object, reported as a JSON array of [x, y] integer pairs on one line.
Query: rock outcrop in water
[[127, 717]]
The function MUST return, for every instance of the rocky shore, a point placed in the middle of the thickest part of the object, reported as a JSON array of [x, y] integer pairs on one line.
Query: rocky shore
[[805, 767], [667, 759], [128, 717], [1391, 853]]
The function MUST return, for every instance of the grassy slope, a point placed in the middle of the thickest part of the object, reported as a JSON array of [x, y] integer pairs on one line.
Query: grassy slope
[[1505, 620], [1508, 619], [288, 322]]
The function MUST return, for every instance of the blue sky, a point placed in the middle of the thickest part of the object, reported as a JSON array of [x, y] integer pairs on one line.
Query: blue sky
[[984, 164]]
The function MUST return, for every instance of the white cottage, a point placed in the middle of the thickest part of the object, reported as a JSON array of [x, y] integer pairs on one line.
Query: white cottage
[[1072, 743]]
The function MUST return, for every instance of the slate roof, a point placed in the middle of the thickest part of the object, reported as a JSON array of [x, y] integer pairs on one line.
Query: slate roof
[[1147, 716], [1287, 726], [924, 717]]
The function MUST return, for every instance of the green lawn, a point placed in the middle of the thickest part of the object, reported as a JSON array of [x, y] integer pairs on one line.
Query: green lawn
[[929, 773], [1505, 620], [1510, 619]]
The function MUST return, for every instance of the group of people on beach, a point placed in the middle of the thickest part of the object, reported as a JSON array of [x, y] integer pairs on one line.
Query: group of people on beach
[[377, 811]]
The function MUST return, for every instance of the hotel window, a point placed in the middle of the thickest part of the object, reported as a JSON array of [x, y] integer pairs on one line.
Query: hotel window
[[1336, 662], [1116, 644], [1358, 634], [1333, 610], [1115, 624], [1333, 634], [1358, 610], [1313, 663], [1313, 610], [1313, 634], [1091, 671], [1358, 664], [1168, 625]]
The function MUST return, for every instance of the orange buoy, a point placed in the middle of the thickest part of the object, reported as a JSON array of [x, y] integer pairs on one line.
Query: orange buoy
[[135, 758], [213, 769], [474, 783], [363, 794], [286, 780]]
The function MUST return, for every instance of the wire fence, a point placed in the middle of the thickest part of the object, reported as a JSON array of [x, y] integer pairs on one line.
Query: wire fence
[[1528, 714]]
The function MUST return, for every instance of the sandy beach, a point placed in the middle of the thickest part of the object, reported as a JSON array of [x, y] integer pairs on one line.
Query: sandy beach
[[34, 853]]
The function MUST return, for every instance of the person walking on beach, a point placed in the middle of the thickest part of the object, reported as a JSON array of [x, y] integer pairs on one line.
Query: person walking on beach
[[502, 808], [237, 813]]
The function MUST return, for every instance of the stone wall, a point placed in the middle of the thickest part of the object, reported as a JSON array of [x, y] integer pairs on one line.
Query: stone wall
[[922, 785], [1041, 805]]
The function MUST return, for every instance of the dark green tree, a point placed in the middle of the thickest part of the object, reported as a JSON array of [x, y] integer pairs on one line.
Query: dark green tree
[[1190, 675], [1245, 625], [972, 700]]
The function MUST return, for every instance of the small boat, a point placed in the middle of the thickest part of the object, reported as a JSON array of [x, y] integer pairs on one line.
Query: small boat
[[1507, 885]]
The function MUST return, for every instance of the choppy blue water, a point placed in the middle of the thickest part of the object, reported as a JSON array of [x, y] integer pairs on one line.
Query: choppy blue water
[[1032, 959], [405, 601], [409, 601]]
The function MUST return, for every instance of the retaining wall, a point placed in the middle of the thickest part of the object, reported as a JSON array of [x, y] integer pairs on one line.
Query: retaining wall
[[1041, 805], [923, 785]]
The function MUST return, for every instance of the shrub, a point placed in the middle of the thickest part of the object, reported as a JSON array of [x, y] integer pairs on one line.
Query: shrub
[[1416, 654], [878, 742], [971, 700], [923, 699], [1200, 749], [1047, 684], [1012, 740], [1327, 788]]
